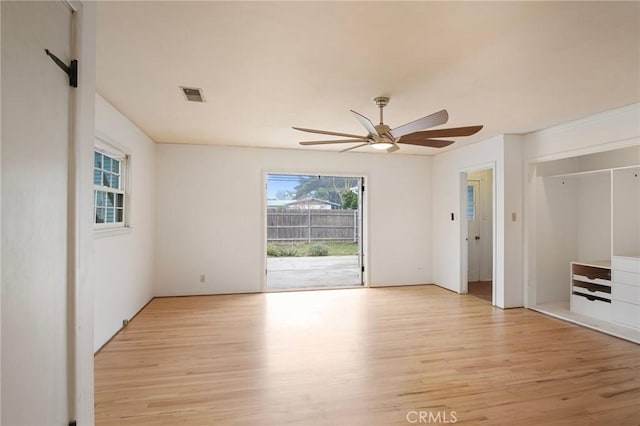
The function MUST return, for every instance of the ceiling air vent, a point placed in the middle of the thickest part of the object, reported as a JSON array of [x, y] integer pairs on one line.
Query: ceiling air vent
[[192, 94]]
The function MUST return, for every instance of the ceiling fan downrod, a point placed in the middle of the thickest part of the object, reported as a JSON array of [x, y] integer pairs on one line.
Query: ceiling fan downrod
[[382, 102]]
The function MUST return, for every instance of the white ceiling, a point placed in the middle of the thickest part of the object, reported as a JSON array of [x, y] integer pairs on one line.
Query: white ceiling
[[264, 66]]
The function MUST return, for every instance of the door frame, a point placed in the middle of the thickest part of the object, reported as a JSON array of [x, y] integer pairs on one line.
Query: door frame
[[464, 227], [364, 225]]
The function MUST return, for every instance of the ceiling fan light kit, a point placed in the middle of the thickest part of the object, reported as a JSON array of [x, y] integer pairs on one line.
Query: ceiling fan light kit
[[381, 145], [382, 137]]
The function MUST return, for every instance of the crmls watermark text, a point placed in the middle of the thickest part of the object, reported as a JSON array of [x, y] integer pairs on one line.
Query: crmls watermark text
[[424, 417]]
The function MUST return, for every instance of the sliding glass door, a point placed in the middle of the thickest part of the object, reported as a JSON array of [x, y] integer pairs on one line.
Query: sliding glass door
[[314, 231]]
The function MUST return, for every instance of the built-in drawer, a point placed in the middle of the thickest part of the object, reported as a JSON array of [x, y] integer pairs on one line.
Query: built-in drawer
[[624, 277], [626, 313], [585, 279], [626, 293], [599, 290], [592, 306], [590, 273], [628, 264]]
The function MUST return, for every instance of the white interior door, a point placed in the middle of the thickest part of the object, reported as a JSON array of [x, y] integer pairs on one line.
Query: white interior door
[[360, 233], [35, 151], [474, 230]]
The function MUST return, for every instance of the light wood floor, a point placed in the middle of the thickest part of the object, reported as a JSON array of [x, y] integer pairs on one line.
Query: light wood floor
[[361, 357], [481, 289]]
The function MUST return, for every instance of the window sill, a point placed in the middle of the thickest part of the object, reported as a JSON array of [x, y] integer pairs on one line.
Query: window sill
[[111, 232]]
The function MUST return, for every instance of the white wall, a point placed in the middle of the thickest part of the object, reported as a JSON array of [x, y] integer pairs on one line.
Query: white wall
[[504, 152], [626, 208], [513, 216], [557, 233], [210, 213], [593, 216], [123, 261]]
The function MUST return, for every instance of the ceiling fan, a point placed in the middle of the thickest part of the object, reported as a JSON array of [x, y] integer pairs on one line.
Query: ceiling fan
[[382, 136]]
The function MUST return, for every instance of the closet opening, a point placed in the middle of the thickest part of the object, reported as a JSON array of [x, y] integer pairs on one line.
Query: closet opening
[[584, 240]]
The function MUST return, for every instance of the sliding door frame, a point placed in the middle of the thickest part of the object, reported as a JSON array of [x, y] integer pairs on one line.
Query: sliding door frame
[[363, 216]]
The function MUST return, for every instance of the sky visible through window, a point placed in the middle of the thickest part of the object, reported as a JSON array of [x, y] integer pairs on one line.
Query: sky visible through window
[[281, 183], [328, 188]]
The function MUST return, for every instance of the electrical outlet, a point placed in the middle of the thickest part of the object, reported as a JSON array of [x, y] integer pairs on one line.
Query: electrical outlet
[[202, 278]]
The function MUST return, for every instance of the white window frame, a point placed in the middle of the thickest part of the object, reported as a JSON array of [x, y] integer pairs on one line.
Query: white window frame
[[124, 158], [471, 203]]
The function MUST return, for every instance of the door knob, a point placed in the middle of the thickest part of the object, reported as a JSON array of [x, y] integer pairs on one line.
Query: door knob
[[477, 237]]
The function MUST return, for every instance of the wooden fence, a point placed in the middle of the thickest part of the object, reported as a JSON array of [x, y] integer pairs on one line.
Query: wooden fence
[[312, 225]]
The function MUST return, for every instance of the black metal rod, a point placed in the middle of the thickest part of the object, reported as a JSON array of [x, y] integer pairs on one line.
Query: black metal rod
[[58, 62]]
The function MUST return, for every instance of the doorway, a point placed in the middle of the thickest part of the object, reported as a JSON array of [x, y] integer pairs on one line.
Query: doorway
[[313, 232], [479, 220]]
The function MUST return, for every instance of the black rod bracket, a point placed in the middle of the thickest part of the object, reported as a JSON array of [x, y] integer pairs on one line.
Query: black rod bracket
[[71, 70]]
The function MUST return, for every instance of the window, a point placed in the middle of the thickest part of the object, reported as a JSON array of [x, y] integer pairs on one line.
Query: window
[[471, 202], [109, 196]]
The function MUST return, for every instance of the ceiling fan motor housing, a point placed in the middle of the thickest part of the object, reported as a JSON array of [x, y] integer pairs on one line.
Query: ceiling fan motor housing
[[383, 134]]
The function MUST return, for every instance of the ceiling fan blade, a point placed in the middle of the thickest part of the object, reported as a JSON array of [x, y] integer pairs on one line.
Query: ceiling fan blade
[[326, 132], [431, 143], [366, 123], [432, 120], [447, 133], [394, 148], [333, 141], [354, 147]]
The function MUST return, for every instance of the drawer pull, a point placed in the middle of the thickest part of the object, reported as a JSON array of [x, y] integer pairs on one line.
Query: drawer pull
[[592, 287], [590, 297]]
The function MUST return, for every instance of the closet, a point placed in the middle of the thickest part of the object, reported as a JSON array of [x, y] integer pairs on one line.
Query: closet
[[584, 262]]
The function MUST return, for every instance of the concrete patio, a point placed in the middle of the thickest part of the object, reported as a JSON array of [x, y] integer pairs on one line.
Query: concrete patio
[[312, 272]]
